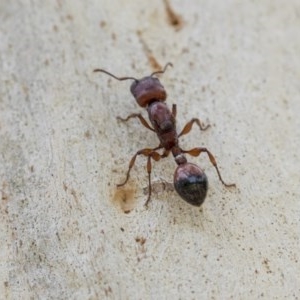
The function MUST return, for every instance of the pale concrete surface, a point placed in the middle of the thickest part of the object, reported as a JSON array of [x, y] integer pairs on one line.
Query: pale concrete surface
[[64, 234]]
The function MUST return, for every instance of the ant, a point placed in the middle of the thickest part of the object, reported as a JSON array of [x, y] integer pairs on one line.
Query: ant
[[189, 180]]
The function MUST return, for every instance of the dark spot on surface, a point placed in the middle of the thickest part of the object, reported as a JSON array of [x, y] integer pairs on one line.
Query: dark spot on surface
[[69, 17], [87, 134], [4, 191], [107, 291], [102, 24], [140, 240]]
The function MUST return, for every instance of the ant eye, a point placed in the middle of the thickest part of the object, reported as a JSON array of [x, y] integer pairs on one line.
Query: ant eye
[[191, 183]]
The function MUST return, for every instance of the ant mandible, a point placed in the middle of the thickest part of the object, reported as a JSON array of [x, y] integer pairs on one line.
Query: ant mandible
[[189, 180]]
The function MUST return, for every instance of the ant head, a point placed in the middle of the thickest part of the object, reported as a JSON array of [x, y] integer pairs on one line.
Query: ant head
[[147, 89], [144, 90], [191, 183]]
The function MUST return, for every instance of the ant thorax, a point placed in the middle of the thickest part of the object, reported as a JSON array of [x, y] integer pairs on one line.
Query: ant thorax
[[163, 123]]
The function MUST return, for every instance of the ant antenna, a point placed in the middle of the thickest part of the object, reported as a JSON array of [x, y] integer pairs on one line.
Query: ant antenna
[[132, 78], [163, 71], [118, 78]]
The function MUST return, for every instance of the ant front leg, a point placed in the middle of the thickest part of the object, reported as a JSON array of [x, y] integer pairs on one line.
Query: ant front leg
[[198, 151], [149, 153], [187, 128], [140, 117]]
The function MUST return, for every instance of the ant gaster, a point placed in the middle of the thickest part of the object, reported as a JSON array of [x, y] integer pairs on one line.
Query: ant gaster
[[189, 180]]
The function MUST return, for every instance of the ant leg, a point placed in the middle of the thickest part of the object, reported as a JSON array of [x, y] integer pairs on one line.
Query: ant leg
[[149, 153], [156, 156], [149, 169], [174, 110], [198, 151], [145, 152], [140, 117], [187, 128]]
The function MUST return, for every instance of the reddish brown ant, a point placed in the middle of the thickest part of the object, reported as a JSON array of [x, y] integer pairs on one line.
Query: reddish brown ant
[[189, 180]]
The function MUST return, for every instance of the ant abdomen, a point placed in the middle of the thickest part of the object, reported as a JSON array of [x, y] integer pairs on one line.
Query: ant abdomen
[[191, 183]]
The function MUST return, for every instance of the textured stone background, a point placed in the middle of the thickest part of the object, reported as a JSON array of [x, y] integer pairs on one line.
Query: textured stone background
[[63, 230]]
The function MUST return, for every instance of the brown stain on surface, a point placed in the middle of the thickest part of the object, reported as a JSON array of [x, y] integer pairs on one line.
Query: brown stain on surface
[[174, 19], [25, 90], [267, 265], [141, 249], [151, 59], [4, 192], [124, 198], [74, 194], [71, 191]]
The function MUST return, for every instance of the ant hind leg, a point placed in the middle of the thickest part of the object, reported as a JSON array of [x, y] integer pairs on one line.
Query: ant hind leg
[[197, 151], [149, 153]]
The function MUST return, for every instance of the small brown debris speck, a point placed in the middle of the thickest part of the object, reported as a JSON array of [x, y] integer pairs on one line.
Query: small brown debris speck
[[140, 240], [87, 134], [69, 17], [267, 266], [107, 291], [102, 24], [4, 191], [73, 193]]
